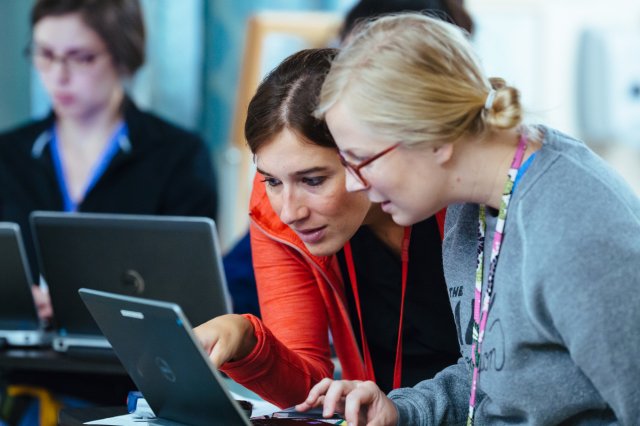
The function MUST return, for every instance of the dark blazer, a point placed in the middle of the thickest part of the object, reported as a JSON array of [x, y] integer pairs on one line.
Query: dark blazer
[[162, 170]]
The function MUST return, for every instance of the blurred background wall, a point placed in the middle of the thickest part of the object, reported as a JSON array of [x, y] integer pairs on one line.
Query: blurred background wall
[[577, 63], [14, 70]]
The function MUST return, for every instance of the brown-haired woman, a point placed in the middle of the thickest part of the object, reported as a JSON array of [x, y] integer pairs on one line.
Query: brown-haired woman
[[97, 152], [327, 262]]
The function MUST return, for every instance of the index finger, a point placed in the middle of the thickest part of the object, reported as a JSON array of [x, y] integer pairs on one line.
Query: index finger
[[361, 396], [317, 391], [218, 354]]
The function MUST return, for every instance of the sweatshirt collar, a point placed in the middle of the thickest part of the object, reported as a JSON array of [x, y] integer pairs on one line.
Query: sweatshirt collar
[[44, 139]]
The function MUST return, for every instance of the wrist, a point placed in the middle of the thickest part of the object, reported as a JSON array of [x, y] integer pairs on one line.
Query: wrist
[[249, 340]]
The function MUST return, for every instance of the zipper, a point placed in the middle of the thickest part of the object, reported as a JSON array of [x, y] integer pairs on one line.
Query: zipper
[[324, 275]]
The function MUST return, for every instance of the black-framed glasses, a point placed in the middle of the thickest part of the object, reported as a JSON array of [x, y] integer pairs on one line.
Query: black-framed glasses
[[355, 168], [76, 61]]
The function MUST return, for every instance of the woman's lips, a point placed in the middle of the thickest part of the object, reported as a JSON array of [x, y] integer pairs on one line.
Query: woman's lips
[[312, 236], [385, 206], [64, 99]]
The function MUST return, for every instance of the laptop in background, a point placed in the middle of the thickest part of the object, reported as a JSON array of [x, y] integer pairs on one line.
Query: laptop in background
[[155, 344], [19, 321], [159, 257]]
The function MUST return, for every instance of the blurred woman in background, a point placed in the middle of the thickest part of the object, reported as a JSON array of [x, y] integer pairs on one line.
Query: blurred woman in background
[[96, 151]]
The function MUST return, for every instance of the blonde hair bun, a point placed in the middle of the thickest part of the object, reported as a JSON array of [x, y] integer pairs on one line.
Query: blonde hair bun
[[505, 111]]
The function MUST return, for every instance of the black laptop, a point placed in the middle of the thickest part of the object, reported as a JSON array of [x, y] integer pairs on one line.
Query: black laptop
[[19, 322], [156, 345], [160, 257]]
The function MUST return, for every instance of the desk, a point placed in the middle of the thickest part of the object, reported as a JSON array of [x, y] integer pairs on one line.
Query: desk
[[79, 416], [48, 360]]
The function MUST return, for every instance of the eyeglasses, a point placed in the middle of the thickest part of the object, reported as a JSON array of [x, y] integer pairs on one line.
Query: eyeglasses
[[355, 168], [75, 61]]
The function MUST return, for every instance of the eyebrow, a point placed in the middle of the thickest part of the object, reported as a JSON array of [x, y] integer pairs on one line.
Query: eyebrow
[[299, 172], [73, 51]]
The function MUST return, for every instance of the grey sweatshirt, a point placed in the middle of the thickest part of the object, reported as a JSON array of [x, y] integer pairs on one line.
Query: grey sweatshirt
[[562, 341]]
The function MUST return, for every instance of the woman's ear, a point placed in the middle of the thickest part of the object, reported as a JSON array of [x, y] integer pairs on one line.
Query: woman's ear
[[443, 153]]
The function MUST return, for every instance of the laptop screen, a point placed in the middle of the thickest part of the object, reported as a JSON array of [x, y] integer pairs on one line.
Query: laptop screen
[[170, 258], [17, 308]]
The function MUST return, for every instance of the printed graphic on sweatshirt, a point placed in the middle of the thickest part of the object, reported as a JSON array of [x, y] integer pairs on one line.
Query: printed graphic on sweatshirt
[[493, 350]]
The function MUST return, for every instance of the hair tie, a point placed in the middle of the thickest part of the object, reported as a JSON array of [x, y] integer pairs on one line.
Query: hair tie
[[488, 104]]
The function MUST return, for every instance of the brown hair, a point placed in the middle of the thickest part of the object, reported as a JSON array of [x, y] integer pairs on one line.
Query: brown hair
[[286, 99], [452, 11], [119, 24]]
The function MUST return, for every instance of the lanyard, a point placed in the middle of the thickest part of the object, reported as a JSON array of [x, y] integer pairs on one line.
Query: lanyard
[[480, 314], [110, 151], [404, 255]]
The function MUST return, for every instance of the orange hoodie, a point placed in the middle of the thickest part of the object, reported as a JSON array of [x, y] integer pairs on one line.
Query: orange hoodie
[[301, 297]]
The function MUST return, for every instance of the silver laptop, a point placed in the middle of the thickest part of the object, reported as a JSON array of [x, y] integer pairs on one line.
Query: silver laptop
[[160, 257], [19, 322], [155, 344]]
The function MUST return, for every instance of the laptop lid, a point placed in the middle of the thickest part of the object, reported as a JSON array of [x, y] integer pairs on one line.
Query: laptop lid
[[155, 344], [19, 321], [159, 257]]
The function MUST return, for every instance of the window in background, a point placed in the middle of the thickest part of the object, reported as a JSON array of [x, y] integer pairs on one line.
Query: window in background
[[537, 45]]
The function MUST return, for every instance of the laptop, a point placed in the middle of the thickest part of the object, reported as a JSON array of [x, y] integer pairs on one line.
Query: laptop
[[19, 321], [160, 257], [155, 344]]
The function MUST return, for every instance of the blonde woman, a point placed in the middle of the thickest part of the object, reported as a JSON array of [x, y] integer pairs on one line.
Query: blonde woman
[[541, 246]]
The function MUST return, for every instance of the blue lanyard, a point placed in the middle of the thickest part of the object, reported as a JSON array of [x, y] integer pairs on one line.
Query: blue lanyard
[[523, 169], [69, 205]]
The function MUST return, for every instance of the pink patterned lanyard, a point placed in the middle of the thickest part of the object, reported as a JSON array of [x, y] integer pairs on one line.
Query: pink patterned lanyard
[[480, 315]]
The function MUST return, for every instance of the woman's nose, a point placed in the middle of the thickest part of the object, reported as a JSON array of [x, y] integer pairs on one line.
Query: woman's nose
[[293, 210], [60, 72]]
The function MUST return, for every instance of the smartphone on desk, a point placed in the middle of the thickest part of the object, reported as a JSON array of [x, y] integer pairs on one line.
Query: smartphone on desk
[[291, 422], [314, 413]]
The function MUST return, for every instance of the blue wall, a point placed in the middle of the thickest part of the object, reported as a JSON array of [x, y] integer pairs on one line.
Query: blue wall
[[14, 68]]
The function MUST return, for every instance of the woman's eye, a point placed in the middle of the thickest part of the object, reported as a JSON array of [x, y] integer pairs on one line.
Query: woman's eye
[[46, 54], [83, 58], [271, 181], [314, 181], [359, 159], [354, 159]]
